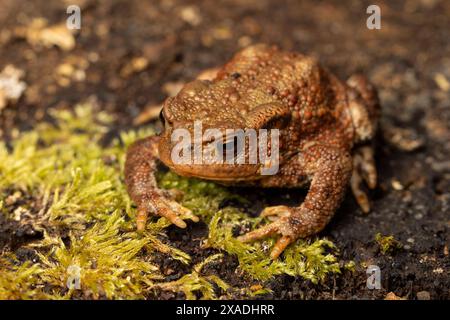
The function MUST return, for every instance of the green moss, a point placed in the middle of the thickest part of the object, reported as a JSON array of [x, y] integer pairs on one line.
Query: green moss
[[74, 190], [18, 281], [351, 266], [194, 282], [107, 261], [311, 259], [387, 243]]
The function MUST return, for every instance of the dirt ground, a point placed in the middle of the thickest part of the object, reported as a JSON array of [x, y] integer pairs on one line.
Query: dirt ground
[[130, 55]]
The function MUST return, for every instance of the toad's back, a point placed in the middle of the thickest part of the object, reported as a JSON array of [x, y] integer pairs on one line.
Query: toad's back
[[315, 96]]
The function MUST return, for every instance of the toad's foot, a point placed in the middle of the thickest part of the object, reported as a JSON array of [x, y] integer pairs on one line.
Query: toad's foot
[[280, 226], [363, 169], [275, 212], [140, 168], [171, 210]]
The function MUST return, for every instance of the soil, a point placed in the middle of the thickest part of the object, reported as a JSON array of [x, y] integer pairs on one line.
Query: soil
[[408, 60]]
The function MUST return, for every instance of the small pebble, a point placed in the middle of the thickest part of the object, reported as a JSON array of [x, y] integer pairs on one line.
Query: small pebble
[[423, 295], [397, 185], [392, 296]]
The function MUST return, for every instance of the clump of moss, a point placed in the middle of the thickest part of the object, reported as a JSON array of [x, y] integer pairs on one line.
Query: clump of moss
[[350, 265], [194, 282], [106, 260], [387, 243], [88, 221], [18, 281], [311, 259]]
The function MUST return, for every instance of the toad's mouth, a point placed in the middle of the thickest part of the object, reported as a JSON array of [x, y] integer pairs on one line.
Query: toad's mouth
[[235, 174], [209, 171]]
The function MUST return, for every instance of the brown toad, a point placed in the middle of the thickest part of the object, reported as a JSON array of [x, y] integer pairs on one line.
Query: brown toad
[[320, 121]]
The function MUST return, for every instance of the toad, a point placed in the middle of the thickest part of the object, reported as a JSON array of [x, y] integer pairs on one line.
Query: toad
[[325, 130]]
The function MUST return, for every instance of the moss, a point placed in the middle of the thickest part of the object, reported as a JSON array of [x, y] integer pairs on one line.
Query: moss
[[73, 187], [351, 266], [18, 281], [106, 259], [194, 282], [387, 243], [311, 259]]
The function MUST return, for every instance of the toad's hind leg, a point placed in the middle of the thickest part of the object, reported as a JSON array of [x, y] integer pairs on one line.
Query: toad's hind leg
[[363, 169]]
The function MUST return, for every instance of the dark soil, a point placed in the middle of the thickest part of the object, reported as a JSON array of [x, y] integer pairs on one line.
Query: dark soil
[[403, 59]]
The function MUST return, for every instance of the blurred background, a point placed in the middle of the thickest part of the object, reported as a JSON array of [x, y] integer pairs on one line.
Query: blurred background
[[128, 56], [132, 54]]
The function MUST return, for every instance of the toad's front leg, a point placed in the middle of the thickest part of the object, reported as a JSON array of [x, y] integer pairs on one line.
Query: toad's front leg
[[330, 169], [140, 168]]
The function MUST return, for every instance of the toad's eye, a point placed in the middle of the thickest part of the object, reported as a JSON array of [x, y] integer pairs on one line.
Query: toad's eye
[[161, 118], [230, 147]]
